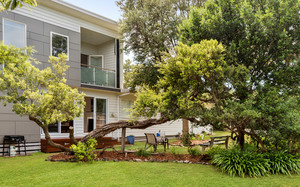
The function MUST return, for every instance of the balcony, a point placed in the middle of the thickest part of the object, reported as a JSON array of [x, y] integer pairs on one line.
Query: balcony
[[96, 76]]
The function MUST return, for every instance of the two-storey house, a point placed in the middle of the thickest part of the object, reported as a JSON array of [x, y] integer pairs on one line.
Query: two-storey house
[[96, 66]]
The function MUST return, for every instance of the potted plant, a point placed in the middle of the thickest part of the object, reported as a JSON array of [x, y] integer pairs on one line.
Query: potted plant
[[130, 139]]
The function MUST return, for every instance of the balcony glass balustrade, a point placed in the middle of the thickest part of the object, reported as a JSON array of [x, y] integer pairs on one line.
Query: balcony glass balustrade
[[97, 76]]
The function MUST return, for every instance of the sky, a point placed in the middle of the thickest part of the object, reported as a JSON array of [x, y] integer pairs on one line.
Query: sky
[[106, 8]]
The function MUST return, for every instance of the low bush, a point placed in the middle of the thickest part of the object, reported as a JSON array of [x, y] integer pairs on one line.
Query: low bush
[[240, 163], [85, 151], [194, 152], [252, 163], [214, 151], [282, 163], [175, 151], [143, 152], [186, 139]]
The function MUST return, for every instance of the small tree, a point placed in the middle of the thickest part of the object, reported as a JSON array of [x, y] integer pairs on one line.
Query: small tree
[[42, 95]]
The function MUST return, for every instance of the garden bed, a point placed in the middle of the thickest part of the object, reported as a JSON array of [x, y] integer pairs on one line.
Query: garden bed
[[130, 156]]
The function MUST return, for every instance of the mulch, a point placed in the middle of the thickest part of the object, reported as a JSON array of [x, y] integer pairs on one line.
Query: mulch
[[130, 156], [194, 142]]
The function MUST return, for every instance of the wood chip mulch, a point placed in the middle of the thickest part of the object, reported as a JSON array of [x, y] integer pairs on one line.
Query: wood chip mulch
[[116, 156], [194, 142]]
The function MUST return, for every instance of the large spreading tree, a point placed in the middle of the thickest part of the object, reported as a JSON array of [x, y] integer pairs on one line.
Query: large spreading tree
[[262, 48], [42, 95]]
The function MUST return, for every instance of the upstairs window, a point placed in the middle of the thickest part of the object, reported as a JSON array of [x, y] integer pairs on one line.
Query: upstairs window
[[14, 33], [59, 44]]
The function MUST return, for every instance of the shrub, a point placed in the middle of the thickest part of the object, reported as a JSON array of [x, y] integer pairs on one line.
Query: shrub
[[142, 152], [282, 162], [85, 151], [252, 163], [175, 151], [194, 152], [186, 139], [240, 163], [214, 151]]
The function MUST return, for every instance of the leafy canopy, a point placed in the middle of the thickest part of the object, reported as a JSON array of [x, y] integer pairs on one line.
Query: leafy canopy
[[149, 28], [41, 94]]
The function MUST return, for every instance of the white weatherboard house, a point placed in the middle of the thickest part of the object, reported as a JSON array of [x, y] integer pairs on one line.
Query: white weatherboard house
[[96, 66]]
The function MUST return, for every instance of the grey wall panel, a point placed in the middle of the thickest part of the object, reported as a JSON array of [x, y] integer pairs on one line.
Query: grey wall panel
[[38, 35], [38, 45], [7, 127], [8, 15], [33, 25]]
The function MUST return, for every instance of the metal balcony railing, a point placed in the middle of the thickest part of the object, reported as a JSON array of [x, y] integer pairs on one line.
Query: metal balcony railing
[[98, 76]]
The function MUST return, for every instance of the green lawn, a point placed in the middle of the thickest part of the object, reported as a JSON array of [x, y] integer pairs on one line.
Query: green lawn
[[34, 171]]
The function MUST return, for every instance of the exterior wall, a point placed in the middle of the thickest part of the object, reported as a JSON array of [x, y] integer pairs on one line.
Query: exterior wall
[[88, 49], [107, 50], [38, 35], [12, 124], [39, 23], [169, 128]]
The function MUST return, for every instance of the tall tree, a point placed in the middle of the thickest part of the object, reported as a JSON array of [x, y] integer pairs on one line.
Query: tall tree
[[149, 28], [42, 95], [262, 42]]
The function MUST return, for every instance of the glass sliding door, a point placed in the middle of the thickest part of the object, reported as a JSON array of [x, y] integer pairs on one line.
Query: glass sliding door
[[95, 115], [89, 114], [101, 112]]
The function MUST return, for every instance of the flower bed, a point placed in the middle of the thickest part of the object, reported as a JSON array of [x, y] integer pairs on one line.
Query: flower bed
[[130, 156]]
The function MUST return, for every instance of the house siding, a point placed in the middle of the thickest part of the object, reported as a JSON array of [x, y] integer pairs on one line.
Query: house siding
[[107, 50], [38, 35]]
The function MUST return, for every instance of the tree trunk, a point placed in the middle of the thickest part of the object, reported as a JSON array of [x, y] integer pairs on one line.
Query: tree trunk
[[47, 135], [51, 143], [71, 135], [241, 139], [108, 128], [185, 127]]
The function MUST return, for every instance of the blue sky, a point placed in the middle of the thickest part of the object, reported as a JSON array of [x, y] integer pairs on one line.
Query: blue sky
[[107, 8]]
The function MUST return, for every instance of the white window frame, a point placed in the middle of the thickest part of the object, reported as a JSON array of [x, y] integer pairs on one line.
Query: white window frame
[[25, 34], [90, 56], [59, 129], [68, 43]]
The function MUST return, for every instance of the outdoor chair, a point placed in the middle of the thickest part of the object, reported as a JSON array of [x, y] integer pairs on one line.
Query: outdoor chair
[[151, 140]]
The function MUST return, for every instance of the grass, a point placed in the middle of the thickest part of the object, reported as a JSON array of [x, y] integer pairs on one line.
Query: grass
[[34, 171]]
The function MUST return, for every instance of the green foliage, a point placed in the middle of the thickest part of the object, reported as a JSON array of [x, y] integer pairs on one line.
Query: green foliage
[[194, 152], [12, 4], [85, 151], [262, 52], [186, 139], [282, 163], [215, 150], [235, 162], [175, 151], [252, 163], [143, 152], [40, 94], [188, 76], [149, 28]]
